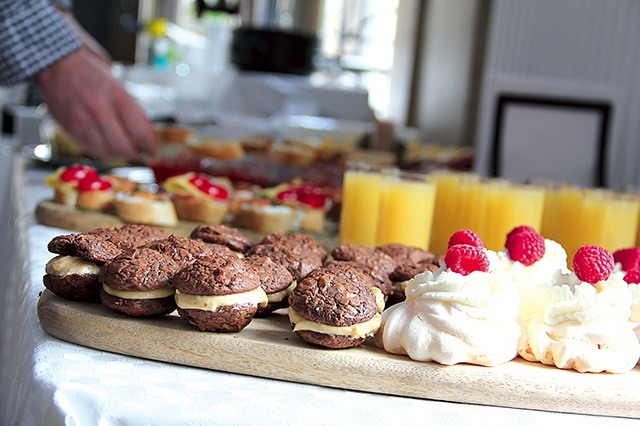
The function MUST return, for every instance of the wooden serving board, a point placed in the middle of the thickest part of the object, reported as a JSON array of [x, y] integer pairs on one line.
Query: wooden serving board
[[268, 348], [58, 215]]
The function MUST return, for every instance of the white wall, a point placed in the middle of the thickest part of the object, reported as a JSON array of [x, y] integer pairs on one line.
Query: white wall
[[582, 49]]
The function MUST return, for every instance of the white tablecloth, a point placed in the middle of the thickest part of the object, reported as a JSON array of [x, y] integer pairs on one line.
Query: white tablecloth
[[46, 381]]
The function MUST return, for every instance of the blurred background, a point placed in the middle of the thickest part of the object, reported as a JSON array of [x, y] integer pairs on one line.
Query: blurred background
[[523, 90]]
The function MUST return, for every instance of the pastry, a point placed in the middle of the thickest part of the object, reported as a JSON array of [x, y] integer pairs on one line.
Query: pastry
[[580, 320], [262, 215], [146, 207], [96, 193], [330, 310], [219, 293], [275, 280], [199, 197], [309, 203], [184, 251], [65, 181], [137, 282], [219, 149]]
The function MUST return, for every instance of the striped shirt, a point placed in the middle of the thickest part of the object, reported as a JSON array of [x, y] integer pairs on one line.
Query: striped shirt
[[33, 36]]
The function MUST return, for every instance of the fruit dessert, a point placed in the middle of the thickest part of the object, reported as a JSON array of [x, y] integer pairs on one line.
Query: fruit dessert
[[580, 321], [329, 309], [309, 202], [199, 197], [81, 186], [627, 263], [464, 312], [530, 259]]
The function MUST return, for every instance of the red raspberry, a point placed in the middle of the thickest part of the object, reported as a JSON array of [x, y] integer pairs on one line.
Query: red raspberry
[[525, 247], [519, 230], [629, 258], [592, 264], [464, 259], [632, 276], [465, 236]]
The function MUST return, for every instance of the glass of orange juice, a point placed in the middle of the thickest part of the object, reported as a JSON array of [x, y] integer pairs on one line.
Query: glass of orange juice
[[449, 210], [406, 209], [361, 192]]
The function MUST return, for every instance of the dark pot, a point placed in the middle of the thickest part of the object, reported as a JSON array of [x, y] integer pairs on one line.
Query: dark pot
[[266, 50]]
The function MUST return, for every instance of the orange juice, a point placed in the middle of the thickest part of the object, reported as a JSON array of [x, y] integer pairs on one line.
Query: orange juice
[[406, 210], [360, 206], [608, 219], [510, 205], [446, 217]]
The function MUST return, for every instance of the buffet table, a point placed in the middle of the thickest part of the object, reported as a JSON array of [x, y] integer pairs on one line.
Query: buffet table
[[49, 381]]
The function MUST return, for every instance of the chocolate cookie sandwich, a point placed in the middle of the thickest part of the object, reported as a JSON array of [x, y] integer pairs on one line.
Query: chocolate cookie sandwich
[[298, 244], [331, 310], [219, 293], [297, 261], [275, 280], [223, 235], [380, 264], [138, 283], [184, 251], [74, 273], [410, 261]]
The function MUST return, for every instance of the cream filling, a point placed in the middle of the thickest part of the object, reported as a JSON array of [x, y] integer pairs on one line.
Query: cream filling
[[159, 293], [211, 303], [367, 328], [280, 295], [71, 265]]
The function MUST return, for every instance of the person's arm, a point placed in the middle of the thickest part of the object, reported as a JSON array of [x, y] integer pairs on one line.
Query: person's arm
[[75, 79], [33, 35]]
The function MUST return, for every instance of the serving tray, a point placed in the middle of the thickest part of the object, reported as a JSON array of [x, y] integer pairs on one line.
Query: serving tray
[[268, 348]]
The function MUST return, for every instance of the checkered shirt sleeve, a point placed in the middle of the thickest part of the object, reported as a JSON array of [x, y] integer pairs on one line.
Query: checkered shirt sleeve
[[33, 36]]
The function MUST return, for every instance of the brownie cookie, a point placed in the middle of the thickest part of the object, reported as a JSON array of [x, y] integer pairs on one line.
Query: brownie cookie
[[138, 283], [353, 271], [219, 293], [275, 280], [329, 309], [223, 235], [404, 254], [103, 244], [184, 251], [401, 275], [298, 244], [297, 265], [380, 263]]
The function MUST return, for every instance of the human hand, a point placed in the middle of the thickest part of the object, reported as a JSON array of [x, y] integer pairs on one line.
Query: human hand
[[94, 108]]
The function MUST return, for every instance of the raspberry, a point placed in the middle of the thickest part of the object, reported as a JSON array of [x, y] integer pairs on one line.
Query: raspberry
[[525, 247], [465, 236], [632, 276], [519, 230], [592, 264], [464, 259], [629, 258]]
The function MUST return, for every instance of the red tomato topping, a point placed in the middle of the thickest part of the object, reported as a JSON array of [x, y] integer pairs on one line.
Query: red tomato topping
[[204, 184], [306, 194], [78, 172], [94, 183]]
